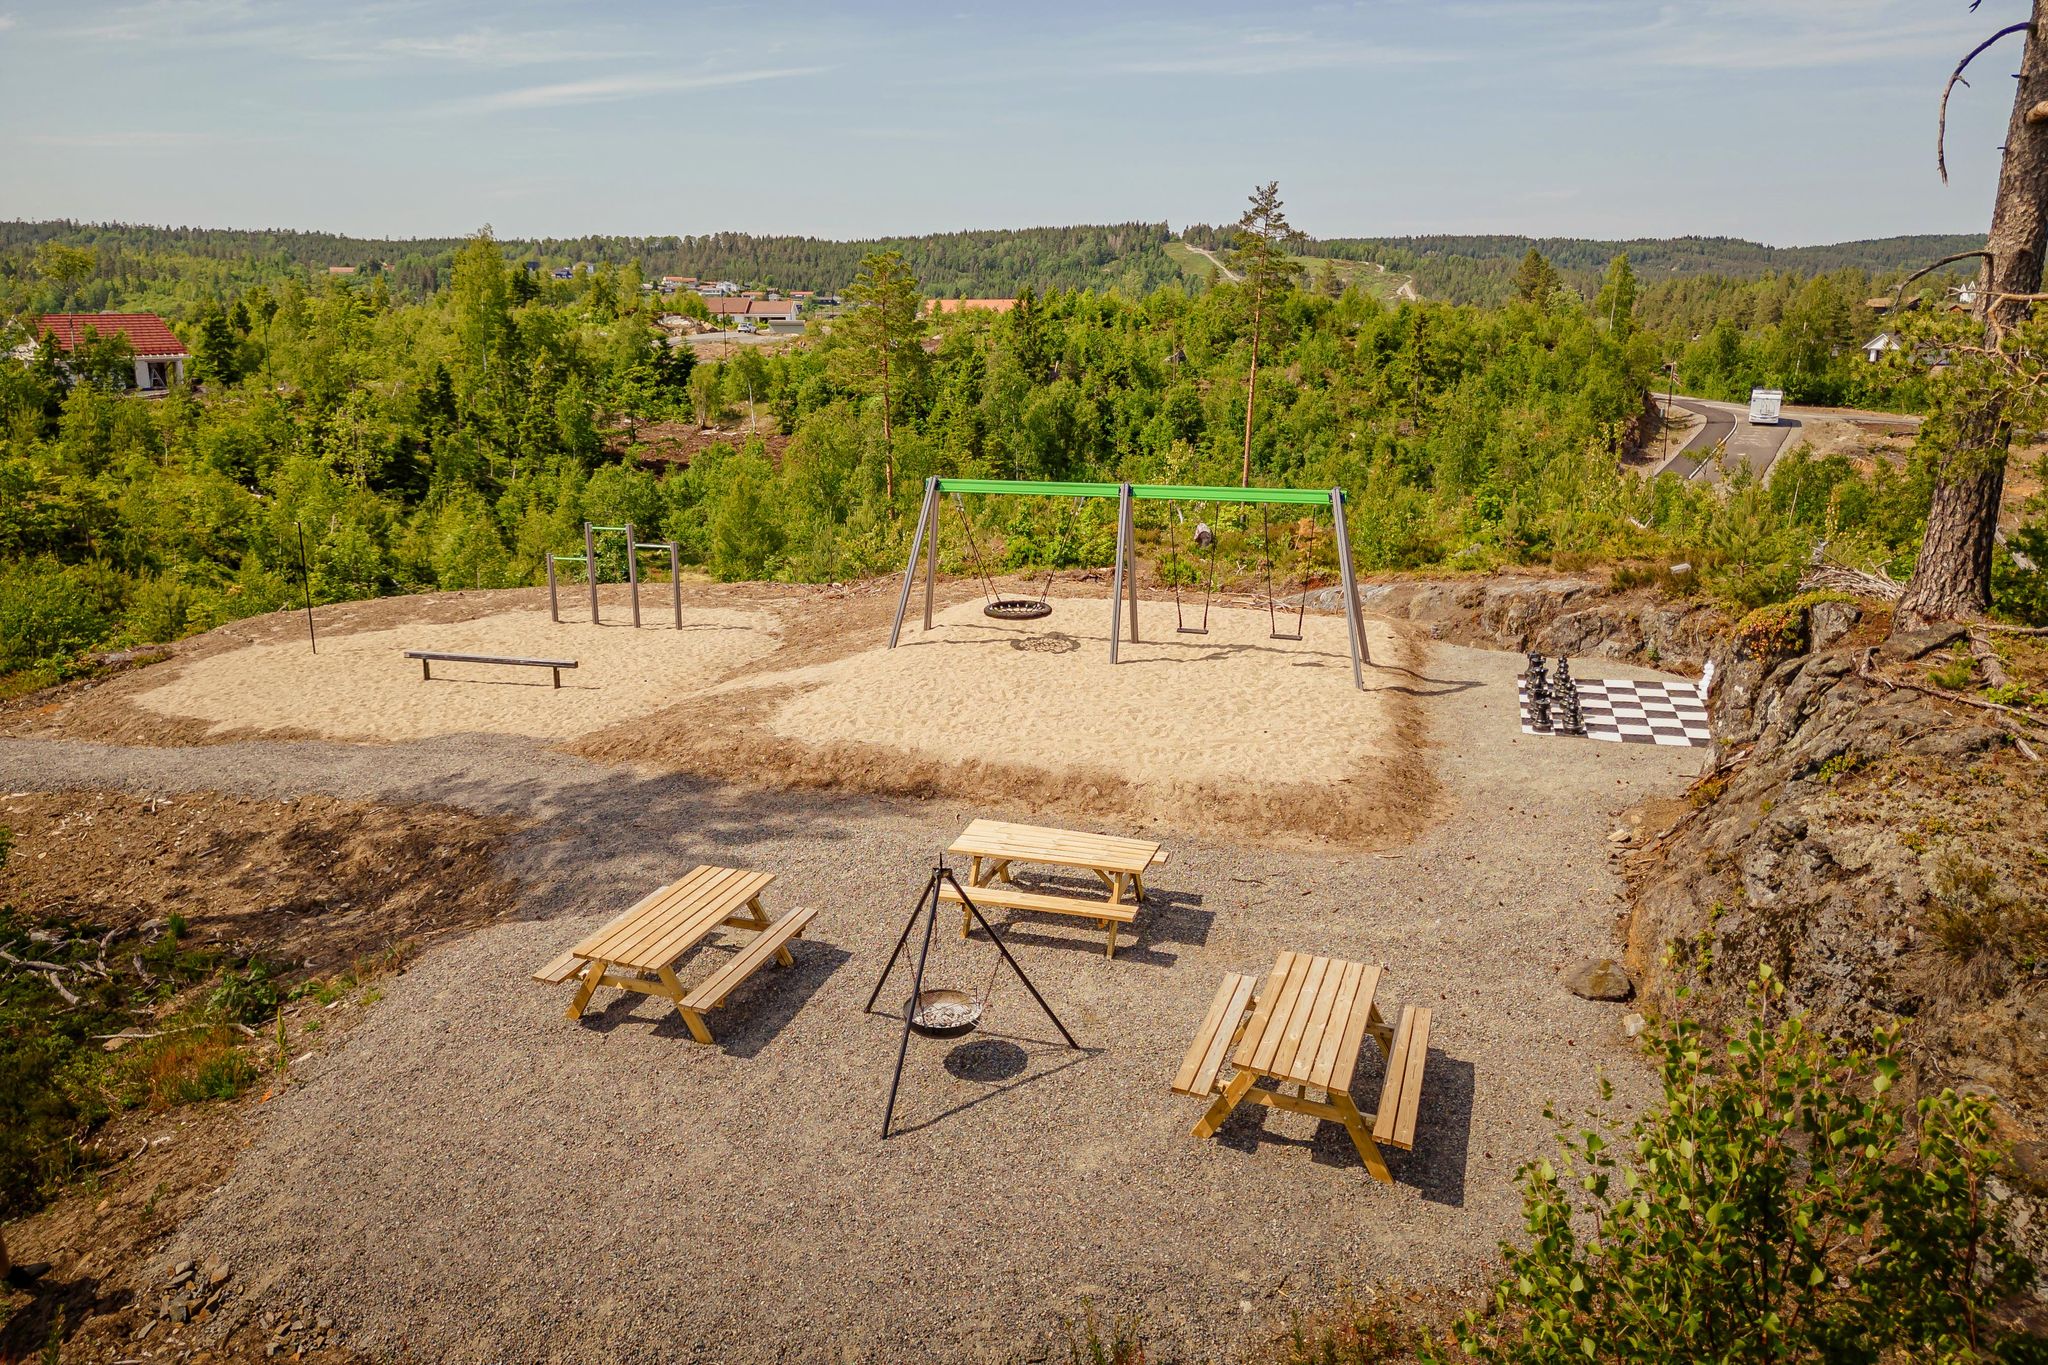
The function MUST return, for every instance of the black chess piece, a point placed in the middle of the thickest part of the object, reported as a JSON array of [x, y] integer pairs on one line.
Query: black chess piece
[[1539, 714], [1538, 685], [1570, 721]]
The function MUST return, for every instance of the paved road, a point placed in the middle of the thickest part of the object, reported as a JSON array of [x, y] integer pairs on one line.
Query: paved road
[[1728, 441]]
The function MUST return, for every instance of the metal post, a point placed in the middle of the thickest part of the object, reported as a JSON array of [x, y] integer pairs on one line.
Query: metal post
[[1353, 619], [931, 500], [675, 582], [1130, 539], [306, 583], [554, 607], [590, 569], [633, 573], [1116, 581], [931, 556]]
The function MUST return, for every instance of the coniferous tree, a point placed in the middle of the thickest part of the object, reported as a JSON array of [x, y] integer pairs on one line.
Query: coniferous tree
[[883, 328], [1262, 253], [1536, 279]]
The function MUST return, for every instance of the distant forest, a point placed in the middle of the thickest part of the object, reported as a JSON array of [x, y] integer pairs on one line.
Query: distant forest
[[1128, 257], [160, 267], [1482, 269]]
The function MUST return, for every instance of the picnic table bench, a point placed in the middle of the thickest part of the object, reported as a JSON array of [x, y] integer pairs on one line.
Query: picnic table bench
[[1303, 1029], [993, 845], [645, 943], [427, 657]]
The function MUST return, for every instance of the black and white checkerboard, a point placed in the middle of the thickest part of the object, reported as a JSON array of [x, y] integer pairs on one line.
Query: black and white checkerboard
[[1625, 711]]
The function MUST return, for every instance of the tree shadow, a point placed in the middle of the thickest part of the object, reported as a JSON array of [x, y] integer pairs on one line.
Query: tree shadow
[[758, 1009], [55, 1311]]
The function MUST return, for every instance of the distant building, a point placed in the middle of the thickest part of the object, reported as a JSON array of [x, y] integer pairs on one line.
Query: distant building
[[159, 356], [969, 305], [341, 270], [562, 272], [671, 283], [1875, 348], [758, 310]]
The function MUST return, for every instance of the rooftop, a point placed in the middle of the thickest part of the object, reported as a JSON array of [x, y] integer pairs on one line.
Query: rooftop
[[148, 335]]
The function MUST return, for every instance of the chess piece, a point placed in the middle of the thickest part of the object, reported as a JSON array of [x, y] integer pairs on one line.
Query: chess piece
[[1570, 721], [1538, 689]]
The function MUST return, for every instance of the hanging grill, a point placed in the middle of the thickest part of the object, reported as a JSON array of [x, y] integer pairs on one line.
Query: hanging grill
[[944, 1014]]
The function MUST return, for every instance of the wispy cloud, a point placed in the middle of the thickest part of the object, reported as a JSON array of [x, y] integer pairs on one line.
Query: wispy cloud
[[126, 138], [1267, 53], [492, 47], [7, 21], [608, 89]]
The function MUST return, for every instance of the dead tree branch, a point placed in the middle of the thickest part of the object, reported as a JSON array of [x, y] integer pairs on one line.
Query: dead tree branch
[[1955, 78], [1988, 660], [1928, 269]]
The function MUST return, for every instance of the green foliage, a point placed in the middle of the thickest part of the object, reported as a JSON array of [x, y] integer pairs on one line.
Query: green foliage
[[1774, 1207], [1780, 630], [49, 612]]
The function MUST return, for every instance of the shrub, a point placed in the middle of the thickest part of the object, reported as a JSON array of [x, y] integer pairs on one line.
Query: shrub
[[49, 614], [1772, 1208], [1780, 630]]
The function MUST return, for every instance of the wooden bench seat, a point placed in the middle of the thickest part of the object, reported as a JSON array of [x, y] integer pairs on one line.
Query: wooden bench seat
[[1107, 913], [772, 941], [1197, 1074], [428, 657], [559, 969], [1401, 1092]]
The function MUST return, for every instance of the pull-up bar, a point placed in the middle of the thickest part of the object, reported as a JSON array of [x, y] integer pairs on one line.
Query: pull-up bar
[[1124, 583]]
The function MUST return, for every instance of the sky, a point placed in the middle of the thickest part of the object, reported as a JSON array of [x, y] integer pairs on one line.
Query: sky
[[1784, 121]]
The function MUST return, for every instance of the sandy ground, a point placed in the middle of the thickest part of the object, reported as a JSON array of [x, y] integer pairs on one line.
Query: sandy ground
[[473, 1178], [1232, 705], [360, 685]]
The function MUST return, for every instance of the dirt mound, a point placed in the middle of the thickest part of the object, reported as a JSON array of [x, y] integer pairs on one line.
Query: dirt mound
[[315, 882]]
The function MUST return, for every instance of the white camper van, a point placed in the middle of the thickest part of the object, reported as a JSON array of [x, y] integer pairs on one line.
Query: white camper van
[[1763, 406]]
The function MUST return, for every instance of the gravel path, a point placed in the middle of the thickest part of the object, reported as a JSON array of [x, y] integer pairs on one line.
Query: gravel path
[[472, 1178]]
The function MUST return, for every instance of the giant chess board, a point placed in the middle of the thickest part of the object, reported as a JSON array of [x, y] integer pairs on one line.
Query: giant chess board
[[1625, 711]]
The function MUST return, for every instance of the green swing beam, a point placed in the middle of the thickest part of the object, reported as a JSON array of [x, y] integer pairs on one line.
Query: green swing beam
[[924, 544]]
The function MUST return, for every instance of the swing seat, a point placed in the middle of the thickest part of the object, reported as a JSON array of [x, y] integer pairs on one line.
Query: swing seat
[[1018, 609]]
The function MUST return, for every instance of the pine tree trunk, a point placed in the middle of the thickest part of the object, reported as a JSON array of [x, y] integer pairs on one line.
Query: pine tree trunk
[[1952, 578], [888, 443], [1251, 385]]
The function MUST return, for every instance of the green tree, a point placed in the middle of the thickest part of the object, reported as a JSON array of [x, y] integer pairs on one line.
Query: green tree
[[67, 267], [883, 331], [1262, 254], [1616, 301], [1535, 279]]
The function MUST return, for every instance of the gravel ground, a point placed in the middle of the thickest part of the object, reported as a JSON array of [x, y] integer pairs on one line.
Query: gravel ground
[[472, 1178]]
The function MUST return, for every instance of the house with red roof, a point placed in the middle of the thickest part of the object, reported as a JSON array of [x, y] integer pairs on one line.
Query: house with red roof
[[159, 356]]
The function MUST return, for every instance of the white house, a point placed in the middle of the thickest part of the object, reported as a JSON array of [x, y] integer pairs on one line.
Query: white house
[[159, 356], [1874, 349]]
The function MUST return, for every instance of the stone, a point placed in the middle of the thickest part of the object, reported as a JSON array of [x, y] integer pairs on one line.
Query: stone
[[1619, 836], [1828, 622], [181, 1312], [183, 1266], [324, 1323], [218, 1276], [1633, 1024], [1600, 979]]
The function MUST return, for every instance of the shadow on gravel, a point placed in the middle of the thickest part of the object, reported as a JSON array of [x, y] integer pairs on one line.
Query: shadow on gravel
[[1034, 1060], [1428, 687], [1164, 917], [751, 1016], [1443, 1131]]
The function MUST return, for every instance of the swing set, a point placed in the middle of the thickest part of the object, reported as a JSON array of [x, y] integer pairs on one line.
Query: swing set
[[924, 549]]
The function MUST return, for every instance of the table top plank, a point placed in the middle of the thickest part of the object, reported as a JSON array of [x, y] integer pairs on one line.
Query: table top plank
[[1262, 1010], [1325, 1059], [1300, 1062], [616, 933], [1034, 843], [1305, 1006], [1354, 1033], [1258, 1056], [662, 926], [636, 942]]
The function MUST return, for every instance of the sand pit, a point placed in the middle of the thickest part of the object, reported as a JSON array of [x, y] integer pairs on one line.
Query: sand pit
[[1229, 706], [360, 686]]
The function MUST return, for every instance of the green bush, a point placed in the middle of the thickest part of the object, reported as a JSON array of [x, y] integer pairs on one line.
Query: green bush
[[1774, 1207], [49, 614]]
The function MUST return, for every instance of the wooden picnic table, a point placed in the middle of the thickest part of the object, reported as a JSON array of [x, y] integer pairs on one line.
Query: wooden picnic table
[[1304, 1028], [1120, 864], [645, 943]]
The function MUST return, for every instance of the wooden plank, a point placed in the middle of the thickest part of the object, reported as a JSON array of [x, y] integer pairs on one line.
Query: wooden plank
[[601, 936], [1401, 1093], [1197, 1074], [711, 992], [1354, 1029], [1269, 996], [724, 901], [1012, 899], [1261, 1057], [1333, 1030], [440, 657], [1301, 1055], [559, 969], [646, 920], [661, 929], [1305, 1006], [1034, 843]]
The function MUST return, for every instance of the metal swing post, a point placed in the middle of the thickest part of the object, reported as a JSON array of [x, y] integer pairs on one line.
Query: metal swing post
[[633, 572], [1354, 620], [675, 582], [925, 519], [1116, 582], [590, 569], [554, 607]]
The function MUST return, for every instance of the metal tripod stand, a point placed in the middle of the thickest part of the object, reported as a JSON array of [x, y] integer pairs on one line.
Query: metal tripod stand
[[928, 907]]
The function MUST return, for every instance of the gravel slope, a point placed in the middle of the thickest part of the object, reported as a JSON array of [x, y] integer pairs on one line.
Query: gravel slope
[[473, 1178]]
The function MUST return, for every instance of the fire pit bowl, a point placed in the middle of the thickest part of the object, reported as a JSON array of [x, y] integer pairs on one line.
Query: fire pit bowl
[[944, 1014]]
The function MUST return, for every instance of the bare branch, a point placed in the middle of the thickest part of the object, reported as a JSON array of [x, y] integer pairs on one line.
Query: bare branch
[[1927, 269], [1955, 78], [1987, 659]]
